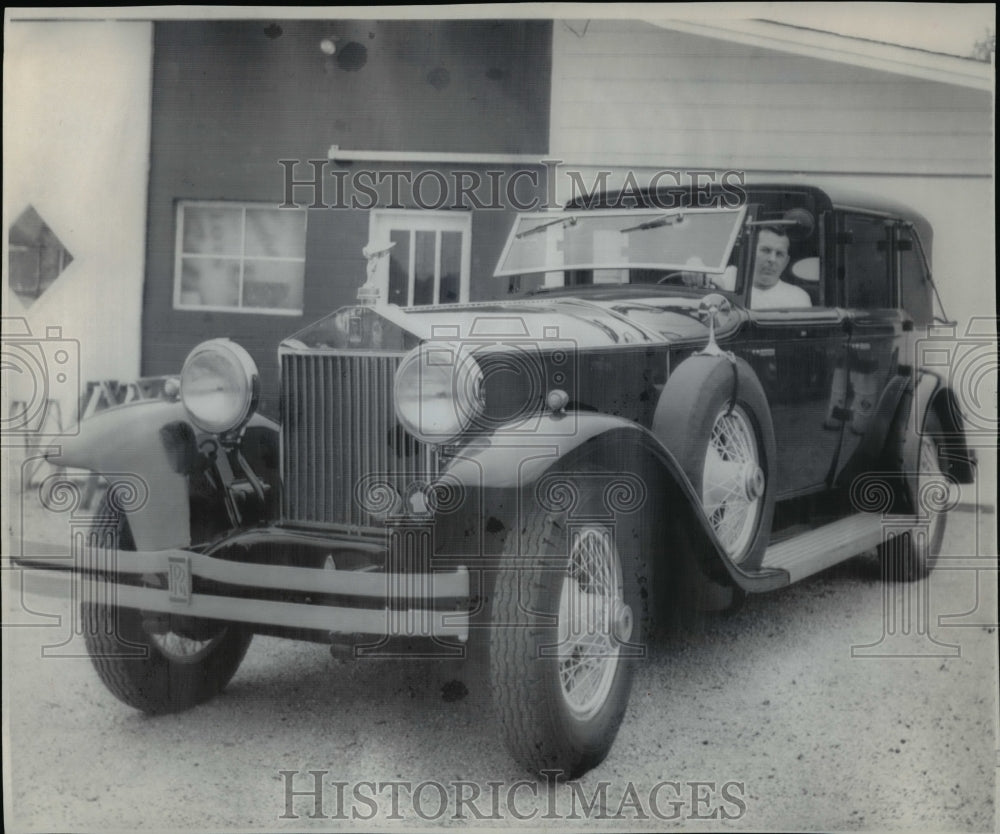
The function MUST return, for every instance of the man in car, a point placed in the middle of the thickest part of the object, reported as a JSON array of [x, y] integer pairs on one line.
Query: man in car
[[769, 292]]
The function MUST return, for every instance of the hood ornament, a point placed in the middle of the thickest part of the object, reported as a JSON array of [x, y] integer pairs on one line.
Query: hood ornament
[[710, 309], [369, 293]]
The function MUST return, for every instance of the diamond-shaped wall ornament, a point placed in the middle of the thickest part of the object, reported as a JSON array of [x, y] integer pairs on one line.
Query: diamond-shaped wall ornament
[[37, 256]]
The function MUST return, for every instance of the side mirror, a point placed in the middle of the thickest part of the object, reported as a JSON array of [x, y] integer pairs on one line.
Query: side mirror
[[800, 223], [797, 223]]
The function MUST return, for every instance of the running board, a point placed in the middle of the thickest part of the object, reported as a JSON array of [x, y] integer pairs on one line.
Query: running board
[[819, 549]]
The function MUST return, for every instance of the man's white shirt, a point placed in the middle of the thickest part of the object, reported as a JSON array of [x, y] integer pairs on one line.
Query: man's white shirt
[[779, 296]]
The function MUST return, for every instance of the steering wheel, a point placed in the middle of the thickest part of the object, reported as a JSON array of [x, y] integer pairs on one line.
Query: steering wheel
[[671, 276], [701, 281]]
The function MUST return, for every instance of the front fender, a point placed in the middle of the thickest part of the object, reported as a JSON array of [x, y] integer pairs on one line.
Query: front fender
[[153, 447], [147, 441], [510, 460], [503, 466]]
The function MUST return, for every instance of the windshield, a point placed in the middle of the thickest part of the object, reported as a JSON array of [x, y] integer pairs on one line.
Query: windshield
[[624, 245]]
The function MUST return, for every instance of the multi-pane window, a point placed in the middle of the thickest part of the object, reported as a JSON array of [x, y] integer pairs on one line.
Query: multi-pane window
[[239, 257], [429, 263]]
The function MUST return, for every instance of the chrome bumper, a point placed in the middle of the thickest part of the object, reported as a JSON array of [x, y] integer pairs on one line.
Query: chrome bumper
[[411, 603]]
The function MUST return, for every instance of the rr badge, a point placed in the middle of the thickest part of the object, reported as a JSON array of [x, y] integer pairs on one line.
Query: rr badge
[[179, 579]]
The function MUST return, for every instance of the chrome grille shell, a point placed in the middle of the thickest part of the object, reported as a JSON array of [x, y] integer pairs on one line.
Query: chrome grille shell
[[343, 455]]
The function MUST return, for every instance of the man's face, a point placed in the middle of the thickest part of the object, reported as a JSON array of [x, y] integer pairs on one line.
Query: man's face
[[771, 260]]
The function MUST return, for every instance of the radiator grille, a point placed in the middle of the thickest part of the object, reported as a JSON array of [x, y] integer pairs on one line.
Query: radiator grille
[[342, 449]]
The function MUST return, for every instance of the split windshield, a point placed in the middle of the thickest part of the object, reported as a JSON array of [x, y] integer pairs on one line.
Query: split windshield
[[620, 246]]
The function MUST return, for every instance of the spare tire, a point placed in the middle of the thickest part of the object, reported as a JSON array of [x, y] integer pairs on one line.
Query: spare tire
[[714, 418]]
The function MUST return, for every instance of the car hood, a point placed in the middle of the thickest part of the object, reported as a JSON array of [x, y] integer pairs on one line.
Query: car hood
[[556, 322]]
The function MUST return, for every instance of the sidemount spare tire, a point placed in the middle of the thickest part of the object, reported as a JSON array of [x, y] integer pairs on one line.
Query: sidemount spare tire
[[714, 418]]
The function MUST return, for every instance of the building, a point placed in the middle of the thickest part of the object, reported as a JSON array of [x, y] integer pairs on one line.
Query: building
[[164, 187]]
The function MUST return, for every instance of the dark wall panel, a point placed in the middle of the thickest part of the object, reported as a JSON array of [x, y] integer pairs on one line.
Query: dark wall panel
[[230, 99]]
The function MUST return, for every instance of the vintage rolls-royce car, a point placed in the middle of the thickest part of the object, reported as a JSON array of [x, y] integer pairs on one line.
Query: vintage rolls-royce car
[[685, 397]]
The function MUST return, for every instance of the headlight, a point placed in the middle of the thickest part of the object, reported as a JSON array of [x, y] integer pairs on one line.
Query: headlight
[[438, 392], [219, 386]]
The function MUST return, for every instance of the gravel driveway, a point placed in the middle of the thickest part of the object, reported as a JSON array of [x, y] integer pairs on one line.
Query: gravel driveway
[[761, 720]]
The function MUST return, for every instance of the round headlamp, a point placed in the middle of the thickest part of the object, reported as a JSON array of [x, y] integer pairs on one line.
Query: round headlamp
[[438, 392], [219, 386]]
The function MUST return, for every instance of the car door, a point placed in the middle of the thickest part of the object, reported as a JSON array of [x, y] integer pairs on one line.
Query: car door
[[863, 255], [797, 354]]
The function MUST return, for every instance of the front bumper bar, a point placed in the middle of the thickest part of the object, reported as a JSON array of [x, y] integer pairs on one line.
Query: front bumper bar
[[412, 604]]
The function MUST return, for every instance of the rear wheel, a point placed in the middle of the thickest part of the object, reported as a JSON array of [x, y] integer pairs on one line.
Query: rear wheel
[[913, 554], [567, 611], [158, 663]]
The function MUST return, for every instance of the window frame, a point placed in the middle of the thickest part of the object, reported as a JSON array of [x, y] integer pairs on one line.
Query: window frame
[[915, 293], [179, 256], [839, 244], [381, 222]]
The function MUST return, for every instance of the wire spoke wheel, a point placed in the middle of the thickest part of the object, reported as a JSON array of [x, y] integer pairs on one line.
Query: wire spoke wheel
[[714, 418], [182, 648], [733, 481], [591, 599], [567, 614], [153, 662]]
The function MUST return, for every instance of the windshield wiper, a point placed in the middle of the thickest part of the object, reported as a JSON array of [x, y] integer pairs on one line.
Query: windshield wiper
[[665, 220], [569, 221]]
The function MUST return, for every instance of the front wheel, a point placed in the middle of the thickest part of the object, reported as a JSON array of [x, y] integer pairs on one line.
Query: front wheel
[[567, 612], [158, 663]]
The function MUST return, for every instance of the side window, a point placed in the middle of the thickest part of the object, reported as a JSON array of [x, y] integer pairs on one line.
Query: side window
[[864, 260], [784, 264], [914, 282]]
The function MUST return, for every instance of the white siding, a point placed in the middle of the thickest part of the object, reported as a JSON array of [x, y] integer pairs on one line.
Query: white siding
[[634, 94], [630, 98], [76, 148]]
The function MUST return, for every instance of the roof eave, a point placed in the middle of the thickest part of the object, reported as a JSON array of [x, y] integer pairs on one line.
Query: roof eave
[[829, 46]]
